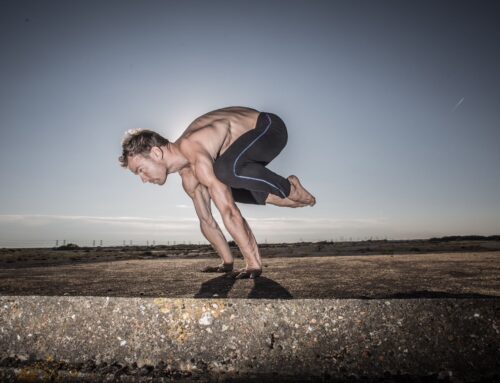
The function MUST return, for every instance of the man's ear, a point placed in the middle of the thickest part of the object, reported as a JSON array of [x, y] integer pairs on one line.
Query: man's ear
[[156, 153]]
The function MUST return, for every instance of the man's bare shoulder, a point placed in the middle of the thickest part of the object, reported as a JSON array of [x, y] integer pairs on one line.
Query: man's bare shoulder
[[193, 149]]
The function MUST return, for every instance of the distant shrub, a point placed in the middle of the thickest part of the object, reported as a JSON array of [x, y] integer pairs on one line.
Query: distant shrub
[[69, 246], [451, 238]]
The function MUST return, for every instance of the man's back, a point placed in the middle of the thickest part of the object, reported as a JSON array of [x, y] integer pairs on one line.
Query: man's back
[[215, 131]]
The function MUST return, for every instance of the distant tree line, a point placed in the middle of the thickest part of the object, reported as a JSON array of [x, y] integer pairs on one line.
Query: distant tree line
[[466, 238]]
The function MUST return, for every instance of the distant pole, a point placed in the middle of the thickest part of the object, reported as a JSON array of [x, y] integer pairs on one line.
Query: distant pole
[[93, 243], [64, 242], [57, 242], [147, 243], [100, 242], [130, 242], [168, 243], [154, 243], [123, 242]]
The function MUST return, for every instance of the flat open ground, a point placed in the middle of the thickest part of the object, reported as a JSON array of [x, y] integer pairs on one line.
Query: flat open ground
[[289, 272]]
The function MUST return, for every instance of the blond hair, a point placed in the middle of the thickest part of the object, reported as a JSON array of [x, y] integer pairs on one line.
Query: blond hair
[[139, 141]]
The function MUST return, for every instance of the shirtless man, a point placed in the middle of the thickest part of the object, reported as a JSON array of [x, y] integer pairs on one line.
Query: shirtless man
[[221, 156]]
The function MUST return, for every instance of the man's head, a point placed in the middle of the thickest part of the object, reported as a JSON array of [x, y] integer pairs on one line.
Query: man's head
[[143, 155]]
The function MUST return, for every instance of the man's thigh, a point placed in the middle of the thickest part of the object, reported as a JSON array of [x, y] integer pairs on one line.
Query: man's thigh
[[261, 144]]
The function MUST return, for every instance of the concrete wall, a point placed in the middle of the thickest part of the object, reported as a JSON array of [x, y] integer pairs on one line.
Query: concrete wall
[[214, 339]]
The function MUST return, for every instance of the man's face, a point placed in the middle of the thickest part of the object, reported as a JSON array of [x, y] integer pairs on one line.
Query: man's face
[[149, 169]]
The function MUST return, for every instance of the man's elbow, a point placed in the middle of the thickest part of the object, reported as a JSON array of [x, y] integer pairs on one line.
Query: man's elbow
[[208, 223]]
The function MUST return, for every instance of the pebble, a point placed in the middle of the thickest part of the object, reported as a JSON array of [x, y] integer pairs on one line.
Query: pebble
[[206, 319]]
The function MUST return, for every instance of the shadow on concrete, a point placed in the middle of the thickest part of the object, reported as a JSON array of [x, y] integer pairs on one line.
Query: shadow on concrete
[[216, 287], [263, 288]]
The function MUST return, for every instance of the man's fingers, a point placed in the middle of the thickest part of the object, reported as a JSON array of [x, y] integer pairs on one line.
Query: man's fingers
[[235, 273], [252, 274], [243, 273], [255, 273]]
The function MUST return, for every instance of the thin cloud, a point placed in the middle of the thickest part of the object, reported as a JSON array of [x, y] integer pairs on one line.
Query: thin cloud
[[274, 223], [458, 103], [181, 206]]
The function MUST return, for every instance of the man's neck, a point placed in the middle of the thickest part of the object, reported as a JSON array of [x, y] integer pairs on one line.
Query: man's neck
[[173, 158]]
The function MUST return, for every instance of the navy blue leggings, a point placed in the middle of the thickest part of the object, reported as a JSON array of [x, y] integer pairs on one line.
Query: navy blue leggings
[[242, 165]]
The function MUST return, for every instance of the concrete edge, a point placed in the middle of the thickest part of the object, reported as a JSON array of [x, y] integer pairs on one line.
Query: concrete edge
[[211, 338]]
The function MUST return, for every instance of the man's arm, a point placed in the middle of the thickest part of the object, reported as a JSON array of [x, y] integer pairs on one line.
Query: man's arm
[[234, 222], [208, 225]]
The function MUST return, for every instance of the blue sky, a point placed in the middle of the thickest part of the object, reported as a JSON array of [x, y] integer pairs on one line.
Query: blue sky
[[392, 109]]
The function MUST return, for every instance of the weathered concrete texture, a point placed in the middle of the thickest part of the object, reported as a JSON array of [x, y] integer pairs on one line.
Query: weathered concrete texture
[[215, 339]]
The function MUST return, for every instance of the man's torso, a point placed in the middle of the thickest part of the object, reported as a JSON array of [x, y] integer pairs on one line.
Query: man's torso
[[210, 135]]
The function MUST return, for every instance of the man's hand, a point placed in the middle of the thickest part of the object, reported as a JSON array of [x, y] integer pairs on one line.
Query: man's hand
[[245, 273]]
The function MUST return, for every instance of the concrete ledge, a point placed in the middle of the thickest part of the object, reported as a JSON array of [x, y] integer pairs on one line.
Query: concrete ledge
[[218, 339]]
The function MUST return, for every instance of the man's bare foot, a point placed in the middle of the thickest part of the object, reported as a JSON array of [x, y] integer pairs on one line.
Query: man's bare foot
[[298, 193], [222, 268], [283, 202], [245, 273]]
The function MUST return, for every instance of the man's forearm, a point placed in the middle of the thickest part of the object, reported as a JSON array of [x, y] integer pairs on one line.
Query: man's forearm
[[214, 235], [244, 238]]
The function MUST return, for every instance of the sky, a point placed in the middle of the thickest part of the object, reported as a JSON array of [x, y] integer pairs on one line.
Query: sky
[[392, 110]]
